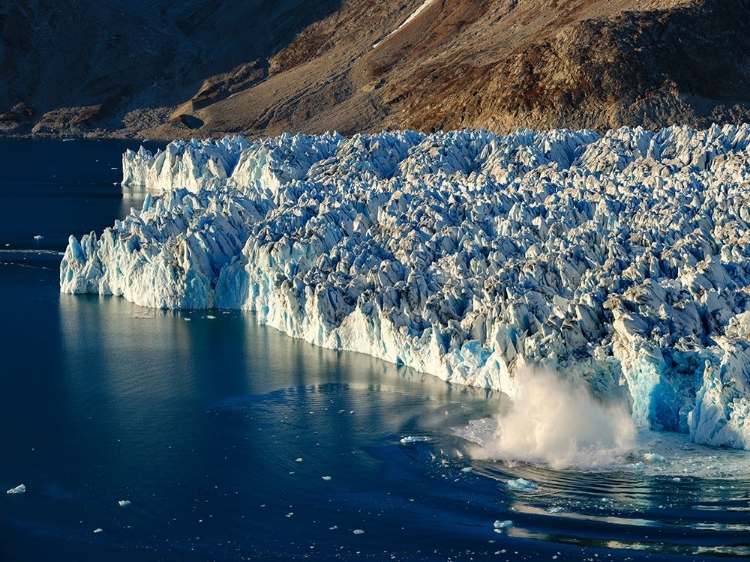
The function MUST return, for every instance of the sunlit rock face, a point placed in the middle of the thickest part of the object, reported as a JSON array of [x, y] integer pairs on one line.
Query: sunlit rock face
[[620, 260]]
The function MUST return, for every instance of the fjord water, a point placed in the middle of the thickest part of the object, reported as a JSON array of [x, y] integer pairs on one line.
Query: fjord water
[[232, 441]]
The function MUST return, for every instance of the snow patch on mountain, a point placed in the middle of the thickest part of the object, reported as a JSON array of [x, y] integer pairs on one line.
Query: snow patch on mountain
[[621, 260], [407, 21]]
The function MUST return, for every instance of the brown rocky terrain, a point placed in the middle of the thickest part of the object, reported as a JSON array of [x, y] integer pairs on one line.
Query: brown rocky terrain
[[261, 67]]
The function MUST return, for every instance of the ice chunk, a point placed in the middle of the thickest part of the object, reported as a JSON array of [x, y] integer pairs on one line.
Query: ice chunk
[[123, 503], [653, 457], [521, 484], [38, 237], [500, 526], [20, 489], [358, 532], [98, 530], [411, 439]]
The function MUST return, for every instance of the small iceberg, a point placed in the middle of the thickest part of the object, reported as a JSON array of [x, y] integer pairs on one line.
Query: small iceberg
[[653, 457], [410, 439], [500, 526], [521, 484], [123, 503], [38, 237], [20, 489]]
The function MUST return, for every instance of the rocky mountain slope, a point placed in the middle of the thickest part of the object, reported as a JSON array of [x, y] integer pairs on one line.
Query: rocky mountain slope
[[261, 67]]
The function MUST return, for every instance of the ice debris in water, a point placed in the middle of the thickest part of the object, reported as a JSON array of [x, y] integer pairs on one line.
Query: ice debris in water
[[123, 503], [38, 237], [98, 530], [621, 259], [521, 484], [410, 439], [653, 457], [20, 489], [358, 532], [500, 526]]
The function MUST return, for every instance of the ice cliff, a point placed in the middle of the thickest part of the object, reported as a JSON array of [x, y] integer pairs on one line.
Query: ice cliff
[[622, 259]]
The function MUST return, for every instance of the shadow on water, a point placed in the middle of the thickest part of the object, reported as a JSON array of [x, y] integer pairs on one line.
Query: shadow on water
[[53, 189]]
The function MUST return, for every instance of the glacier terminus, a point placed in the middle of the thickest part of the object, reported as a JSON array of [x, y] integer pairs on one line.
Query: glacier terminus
[[621, 260]]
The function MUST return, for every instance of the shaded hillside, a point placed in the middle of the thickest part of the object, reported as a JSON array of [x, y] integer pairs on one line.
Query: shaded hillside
[[263, 67], [83, 64]]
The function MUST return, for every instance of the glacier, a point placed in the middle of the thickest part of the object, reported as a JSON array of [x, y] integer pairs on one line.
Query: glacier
[[620, 260]]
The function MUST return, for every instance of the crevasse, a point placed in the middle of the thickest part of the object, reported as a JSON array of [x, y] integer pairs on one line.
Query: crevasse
[[622, 260]]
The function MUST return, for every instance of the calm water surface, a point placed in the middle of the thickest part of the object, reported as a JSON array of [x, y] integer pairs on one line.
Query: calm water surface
[[234, 442]]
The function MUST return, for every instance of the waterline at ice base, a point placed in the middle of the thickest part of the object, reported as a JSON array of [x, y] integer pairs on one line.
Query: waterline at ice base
[[619, 262]]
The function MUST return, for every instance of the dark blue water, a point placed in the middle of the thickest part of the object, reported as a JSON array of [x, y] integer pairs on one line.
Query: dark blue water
[[234, 442]]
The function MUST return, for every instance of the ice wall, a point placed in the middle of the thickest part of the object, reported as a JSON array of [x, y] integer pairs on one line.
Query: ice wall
[[621, 260]]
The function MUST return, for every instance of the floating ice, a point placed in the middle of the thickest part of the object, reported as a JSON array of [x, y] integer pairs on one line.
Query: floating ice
[[410, 439], [653, 457], [620, 260], [98, 530], [123, 503], [521, 484], [38, 237], [326, 478], [20, 489], [358, 532], [500, 526]]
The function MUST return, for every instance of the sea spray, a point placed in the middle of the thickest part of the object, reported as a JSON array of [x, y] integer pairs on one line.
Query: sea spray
[[556, 421]]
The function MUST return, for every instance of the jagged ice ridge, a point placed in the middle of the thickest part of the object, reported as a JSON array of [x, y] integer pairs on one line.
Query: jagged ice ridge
[[622, 260]]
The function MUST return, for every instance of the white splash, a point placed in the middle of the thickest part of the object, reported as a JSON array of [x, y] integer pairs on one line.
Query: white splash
[[557, 421]]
